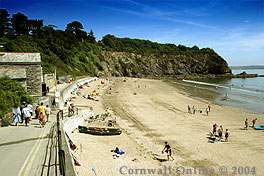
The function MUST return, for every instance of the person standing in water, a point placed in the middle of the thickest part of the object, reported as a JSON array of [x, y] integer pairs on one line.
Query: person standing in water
[[167, 149]]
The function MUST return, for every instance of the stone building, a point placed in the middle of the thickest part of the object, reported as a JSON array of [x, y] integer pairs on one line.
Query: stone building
[[25, 68]]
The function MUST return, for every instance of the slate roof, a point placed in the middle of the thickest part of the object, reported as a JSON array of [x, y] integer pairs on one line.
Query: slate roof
[[19, 58]]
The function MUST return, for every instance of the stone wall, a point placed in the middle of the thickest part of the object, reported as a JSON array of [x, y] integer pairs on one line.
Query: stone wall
[[49, 79], [23, 67], [31, 80], [34, 84]]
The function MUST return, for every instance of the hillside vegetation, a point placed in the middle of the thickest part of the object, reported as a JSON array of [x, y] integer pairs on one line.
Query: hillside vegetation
[[74, 51]]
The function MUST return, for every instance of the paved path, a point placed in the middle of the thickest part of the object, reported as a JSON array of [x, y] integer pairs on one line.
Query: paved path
[[22, 148], [28, 151]]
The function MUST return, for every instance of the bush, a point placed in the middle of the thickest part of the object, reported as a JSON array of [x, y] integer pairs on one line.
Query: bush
[[11, 94]]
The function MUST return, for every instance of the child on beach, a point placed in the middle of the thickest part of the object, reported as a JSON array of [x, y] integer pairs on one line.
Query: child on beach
[[167, 149]]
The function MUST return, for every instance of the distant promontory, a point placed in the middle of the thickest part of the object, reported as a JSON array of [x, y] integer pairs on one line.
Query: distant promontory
[[248, 67]]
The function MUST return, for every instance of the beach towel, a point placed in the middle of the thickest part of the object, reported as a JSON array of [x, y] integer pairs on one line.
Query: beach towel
[[120, 152]]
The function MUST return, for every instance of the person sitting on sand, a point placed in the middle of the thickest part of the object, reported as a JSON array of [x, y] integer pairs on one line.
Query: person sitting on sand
[[226, 135], [246, 124], [94, 93], [118, 152], [167, 149], [254, 122]]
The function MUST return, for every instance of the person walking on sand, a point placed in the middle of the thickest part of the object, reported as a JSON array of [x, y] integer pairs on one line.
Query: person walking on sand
[[254, 122], [207, 111], [246, 124], [27, 112], [189, 109], [226, 135], [193, 109], [167, 149], [47, 111], [209, 107]]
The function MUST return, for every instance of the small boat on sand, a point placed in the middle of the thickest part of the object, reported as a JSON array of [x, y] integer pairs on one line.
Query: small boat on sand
[[99, 131], [259, 127]]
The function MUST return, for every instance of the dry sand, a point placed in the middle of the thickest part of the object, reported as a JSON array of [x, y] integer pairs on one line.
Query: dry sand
[[151, 112]]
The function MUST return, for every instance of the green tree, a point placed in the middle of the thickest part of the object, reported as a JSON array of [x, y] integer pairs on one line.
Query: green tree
[[91, 37], [20, 23], [35, 26], [75, 29], [4, 22]]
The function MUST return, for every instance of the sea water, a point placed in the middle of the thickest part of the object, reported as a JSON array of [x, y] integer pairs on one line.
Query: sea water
[[245, 93]]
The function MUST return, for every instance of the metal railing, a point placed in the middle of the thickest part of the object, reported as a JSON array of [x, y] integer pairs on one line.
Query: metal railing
[[66, 167], [61, 152]]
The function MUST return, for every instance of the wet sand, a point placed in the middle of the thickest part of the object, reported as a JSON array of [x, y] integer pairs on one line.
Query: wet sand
[[150, 112]]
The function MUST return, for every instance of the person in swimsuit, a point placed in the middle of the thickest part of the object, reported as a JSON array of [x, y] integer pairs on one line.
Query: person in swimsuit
[[167, 149]]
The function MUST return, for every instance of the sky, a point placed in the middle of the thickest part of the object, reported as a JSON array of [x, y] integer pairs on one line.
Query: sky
[[233, 28]]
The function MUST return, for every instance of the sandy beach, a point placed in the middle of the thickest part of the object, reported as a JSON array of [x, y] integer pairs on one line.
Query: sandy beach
[[150, 112]]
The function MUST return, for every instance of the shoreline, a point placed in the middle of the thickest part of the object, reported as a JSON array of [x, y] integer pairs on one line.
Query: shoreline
[[149, 117], [204, 92]]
